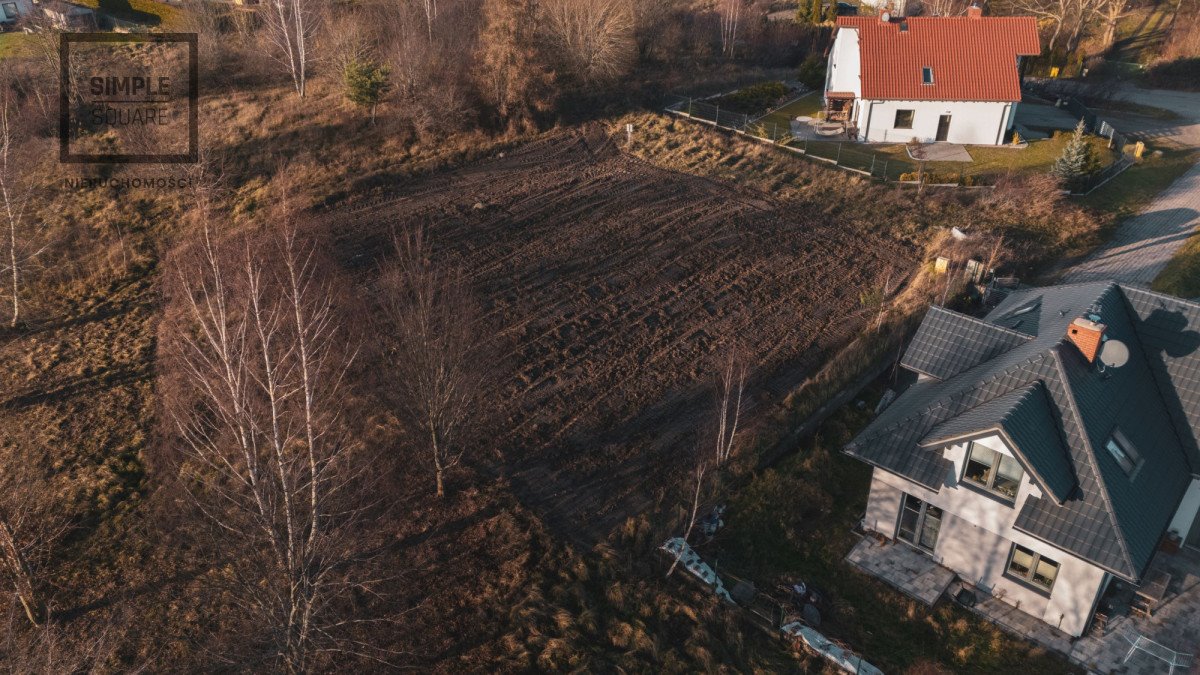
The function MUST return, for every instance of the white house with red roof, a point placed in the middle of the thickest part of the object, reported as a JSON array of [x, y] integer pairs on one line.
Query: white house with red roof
[[955, 79]]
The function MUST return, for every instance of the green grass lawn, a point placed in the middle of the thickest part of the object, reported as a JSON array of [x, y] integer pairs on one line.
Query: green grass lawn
[[156, 14], [808, 105], [1129, 192], [13, 44], [795, 520], [1182, 276], [989, 162]]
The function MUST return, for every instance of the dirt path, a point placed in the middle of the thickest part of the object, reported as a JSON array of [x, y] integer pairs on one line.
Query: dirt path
[[1144, 244], [612, 286]]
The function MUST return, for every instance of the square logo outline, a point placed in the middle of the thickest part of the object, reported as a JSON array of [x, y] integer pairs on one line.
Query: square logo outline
[[65, 156]]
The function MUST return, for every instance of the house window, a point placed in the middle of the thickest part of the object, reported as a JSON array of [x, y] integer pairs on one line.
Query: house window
[[1123, 451], [993, 471], [10, 10], [920, 523], [904, 119], [1032, 568], [927, 75]]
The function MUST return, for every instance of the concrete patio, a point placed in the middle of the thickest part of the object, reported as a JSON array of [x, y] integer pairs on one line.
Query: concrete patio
[[908, 570], [1174, 625]]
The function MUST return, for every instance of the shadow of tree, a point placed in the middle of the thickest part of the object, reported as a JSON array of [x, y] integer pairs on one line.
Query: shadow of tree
[[121, 9]]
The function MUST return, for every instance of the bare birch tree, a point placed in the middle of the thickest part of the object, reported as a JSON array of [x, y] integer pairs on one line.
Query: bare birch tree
[[730, 388], [697, 489], [289, 26], [436, 350], [18, 158], [261, 421], [731, 11], [429, 9]]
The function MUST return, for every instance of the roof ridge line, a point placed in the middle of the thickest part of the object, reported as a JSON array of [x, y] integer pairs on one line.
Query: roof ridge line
[[1090, 452], [941, 402], [1025, 336]]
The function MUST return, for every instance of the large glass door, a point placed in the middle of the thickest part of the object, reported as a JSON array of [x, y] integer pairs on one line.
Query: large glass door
[[920, 523]]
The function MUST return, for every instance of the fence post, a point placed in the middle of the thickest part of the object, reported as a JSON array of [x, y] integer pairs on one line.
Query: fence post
[[872, 164], [717, 116], [885, 173], [838, 161], [689, 106], [774, 131], [806, 146], [1111, 132]]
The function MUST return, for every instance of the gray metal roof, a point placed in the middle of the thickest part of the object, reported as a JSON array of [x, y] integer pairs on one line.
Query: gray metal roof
[[947, 343], [1103, 515], [1026, 418]]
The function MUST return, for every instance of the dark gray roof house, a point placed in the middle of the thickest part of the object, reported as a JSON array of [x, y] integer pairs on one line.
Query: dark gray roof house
[[1109, 451]]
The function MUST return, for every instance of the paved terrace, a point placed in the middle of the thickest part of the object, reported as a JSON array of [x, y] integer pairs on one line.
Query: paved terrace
[[1175, 625]]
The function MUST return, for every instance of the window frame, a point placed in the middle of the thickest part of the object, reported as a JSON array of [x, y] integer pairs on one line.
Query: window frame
[[993, 473], [16, 11], [927, 70], [919, 525], [912, 118], [1127, 449], [1029, 579]]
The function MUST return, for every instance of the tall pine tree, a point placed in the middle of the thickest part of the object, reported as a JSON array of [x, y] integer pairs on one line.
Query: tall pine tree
[[1078, 160]]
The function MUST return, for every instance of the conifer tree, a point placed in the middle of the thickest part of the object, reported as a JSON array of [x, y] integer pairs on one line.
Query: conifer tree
[[1078, 160], [814, 12], [366, 84]]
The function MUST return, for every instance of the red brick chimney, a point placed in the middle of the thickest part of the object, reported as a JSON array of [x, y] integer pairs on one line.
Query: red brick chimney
[[1087, 336], [975, 11]]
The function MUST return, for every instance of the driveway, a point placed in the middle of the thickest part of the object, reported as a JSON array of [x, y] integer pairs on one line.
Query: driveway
[[1144, 244]]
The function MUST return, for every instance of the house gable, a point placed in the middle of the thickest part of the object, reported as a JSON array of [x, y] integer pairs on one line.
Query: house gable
[[1110, 517]]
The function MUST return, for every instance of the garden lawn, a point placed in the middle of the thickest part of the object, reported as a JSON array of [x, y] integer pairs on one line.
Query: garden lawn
[[807, 105], [13, 44], [1138, 185], [991, 162], [148, 12], [794, 522], [1181, 277]]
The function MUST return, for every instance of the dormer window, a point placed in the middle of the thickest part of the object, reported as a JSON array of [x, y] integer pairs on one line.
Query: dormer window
[[993, 471], [1123, 451], [927, 75]]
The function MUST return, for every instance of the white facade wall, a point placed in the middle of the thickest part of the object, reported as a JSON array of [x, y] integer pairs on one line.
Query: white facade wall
[[976, 537], [844, 65], [971, 122], [1184, 522]]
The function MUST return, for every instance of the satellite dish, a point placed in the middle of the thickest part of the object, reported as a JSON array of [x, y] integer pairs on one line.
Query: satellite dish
[[1114, 354]]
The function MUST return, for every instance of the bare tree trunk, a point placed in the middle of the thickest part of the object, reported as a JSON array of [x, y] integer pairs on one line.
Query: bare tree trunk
[[22, 576], [289, 29], [436, 350], [729, 405], [698, 484], [262, 360]]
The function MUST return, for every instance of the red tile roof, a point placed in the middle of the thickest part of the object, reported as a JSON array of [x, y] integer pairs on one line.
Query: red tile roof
[[973, 59]]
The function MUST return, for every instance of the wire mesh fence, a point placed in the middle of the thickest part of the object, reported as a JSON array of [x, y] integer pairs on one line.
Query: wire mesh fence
[[847, 155]]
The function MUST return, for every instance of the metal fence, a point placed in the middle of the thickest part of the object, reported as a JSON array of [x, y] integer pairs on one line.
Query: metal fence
[[847, 155], [1094, 123]]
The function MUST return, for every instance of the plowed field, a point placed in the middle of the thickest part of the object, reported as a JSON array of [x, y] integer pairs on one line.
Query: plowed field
[[614, 286]]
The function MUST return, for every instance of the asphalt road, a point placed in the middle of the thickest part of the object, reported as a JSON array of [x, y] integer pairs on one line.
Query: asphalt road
[[1143, 245]]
